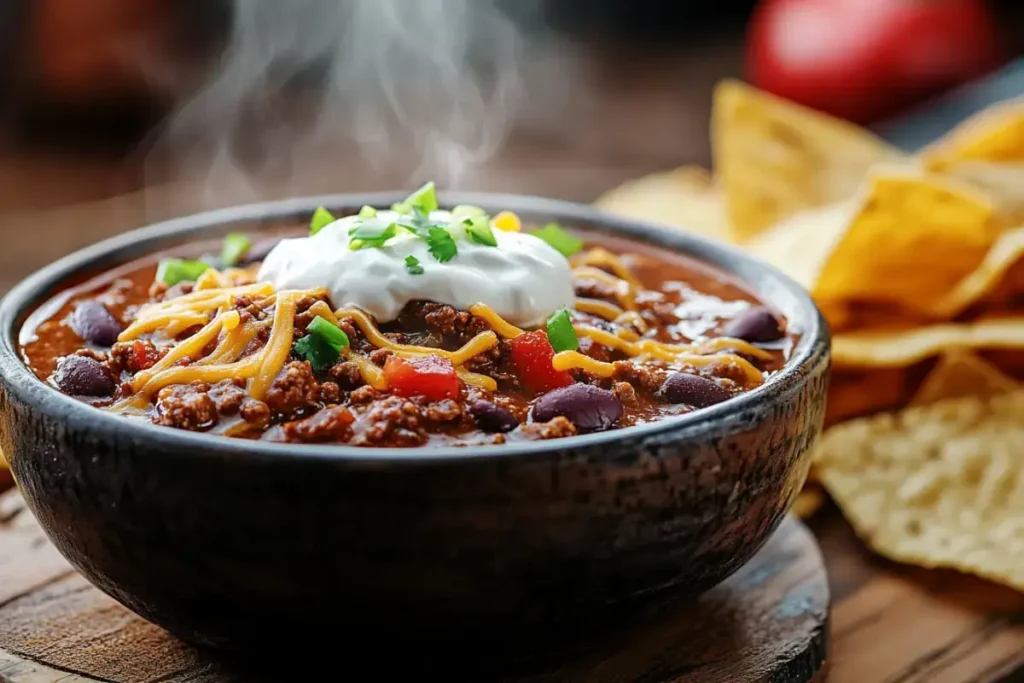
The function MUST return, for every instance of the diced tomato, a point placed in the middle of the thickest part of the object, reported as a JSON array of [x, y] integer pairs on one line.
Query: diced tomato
[[532, 355], [430, 376]]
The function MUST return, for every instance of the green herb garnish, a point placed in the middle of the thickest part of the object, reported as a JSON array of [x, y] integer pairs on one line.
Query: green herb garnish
[[371, 233], [479, 230], [412, 265], [439, 241], [424, 199], [367, 212], [322, 344], [565, 243], [321, 219], [561, 334], [175, 270], [235, 246], [440, 244]]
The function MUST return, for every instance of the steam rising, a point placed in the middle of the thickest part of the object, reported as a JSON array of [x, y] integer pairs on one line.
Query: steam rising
[[415, 88]]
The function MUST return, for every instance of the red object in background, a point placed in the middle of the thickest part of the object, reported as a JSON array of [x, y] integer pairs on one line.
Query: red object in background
[[431, 376], [865, 59]]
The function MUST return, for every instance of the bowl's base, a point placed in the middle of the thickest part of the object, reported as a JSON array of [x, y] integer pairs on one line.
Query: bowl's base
[[768, 622]]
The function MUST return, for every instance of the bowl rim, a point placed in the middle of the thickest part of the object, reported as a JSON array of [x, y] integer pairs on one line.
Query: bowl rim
[[39, 287]]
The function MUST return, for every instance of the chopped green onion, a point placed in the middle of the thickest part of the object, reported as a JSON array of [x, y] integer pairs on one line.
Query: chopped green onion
[[321, 219], [424, 199], [332, 334], [322, 345], [440, 244], [463, 211], [371, 232], [175, 270], [412, 265], [553, 234], [367, 212], [561, 333], [479, 230], [235, 246]]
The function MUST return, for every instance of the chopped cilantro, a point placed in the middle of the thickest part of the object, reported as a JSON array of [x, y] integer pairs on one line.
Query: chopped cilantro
[[412, 265], [321, 219], [440, 244], [565, 243]]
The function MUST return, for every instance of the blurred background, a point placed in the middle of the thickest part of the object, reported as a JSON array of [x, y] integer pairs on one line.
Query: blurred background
[[118, 112]]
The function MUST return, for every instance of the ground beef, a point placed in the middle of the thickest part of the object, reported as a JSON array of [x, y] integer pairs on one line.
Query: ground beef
[[625, 392], [554, 429], [134, 356], [380, 356], [256, 413], [495, 363], [363, 395], [329, 424], [247, 309], [330, 392], [186, 406], [294, 390], [643, 377], [389, 420], [445, 326], [228, 395], [443, 411], [346, 374]]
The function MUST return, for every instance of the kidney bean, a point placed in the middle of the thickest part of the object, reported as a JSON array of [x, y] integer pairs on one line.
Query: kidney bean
[[83, 376], [94, 323], [754, 325], [588, 407], [492, 418], [693, 390]]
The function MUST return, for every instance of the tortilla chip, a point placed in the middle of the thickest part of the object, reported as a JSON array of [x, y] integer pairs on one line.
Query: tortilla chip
[[1000, 276], [809, 501], [961, 373], [775, 158], [854, 394], [937, 486], [684, 198], [1003, 182], [904, 347], [994, 134], [914, 238]]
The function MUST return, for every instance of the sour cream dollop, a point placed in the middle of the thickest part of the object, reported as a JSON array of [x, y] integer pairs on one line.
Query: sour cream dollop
[[523, 279]]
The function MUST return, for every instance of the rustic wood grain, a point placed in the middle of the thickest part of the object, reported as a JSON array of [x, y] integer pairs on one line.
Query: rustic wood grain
[[766, 624]]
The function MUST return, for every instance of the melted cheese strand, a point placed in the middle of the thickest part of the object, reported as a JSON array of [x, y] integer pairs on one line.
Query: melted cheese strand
[[497, 323], [568, 360], [278, 347], [475, 346], [193, 346], [476, 379], [623, 291], [601, 257], [603, 309]]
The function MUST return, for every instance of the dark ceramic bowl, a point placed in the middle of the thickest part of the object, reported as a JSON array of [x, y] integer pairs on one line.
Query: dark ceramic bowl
[[236, 543]]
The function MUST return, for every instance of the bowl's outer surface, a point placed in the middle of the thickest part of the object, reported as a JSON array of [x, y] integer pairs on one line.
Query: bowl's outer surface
[[233, 543]]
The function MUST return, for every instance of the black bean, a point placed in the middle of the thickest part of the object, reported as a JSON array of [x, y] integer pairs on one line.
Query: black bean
[[83, 376], [754, 325], [259, 251], [693, 390], [492, 418], [588, 407], [95, 324]]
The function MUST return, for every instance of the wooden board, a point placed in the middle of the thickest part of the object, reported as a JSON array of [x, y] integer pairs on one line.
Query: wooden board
[[768, 623]]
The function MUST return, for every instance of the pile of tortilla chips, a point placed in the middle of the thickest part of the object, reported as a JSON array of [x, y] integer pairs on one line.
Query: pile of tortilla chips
[[917, 262]]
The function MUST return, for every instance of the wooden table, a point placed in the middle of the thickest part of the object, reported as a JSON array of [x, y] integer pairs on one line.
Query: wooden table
[[626, 117]]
